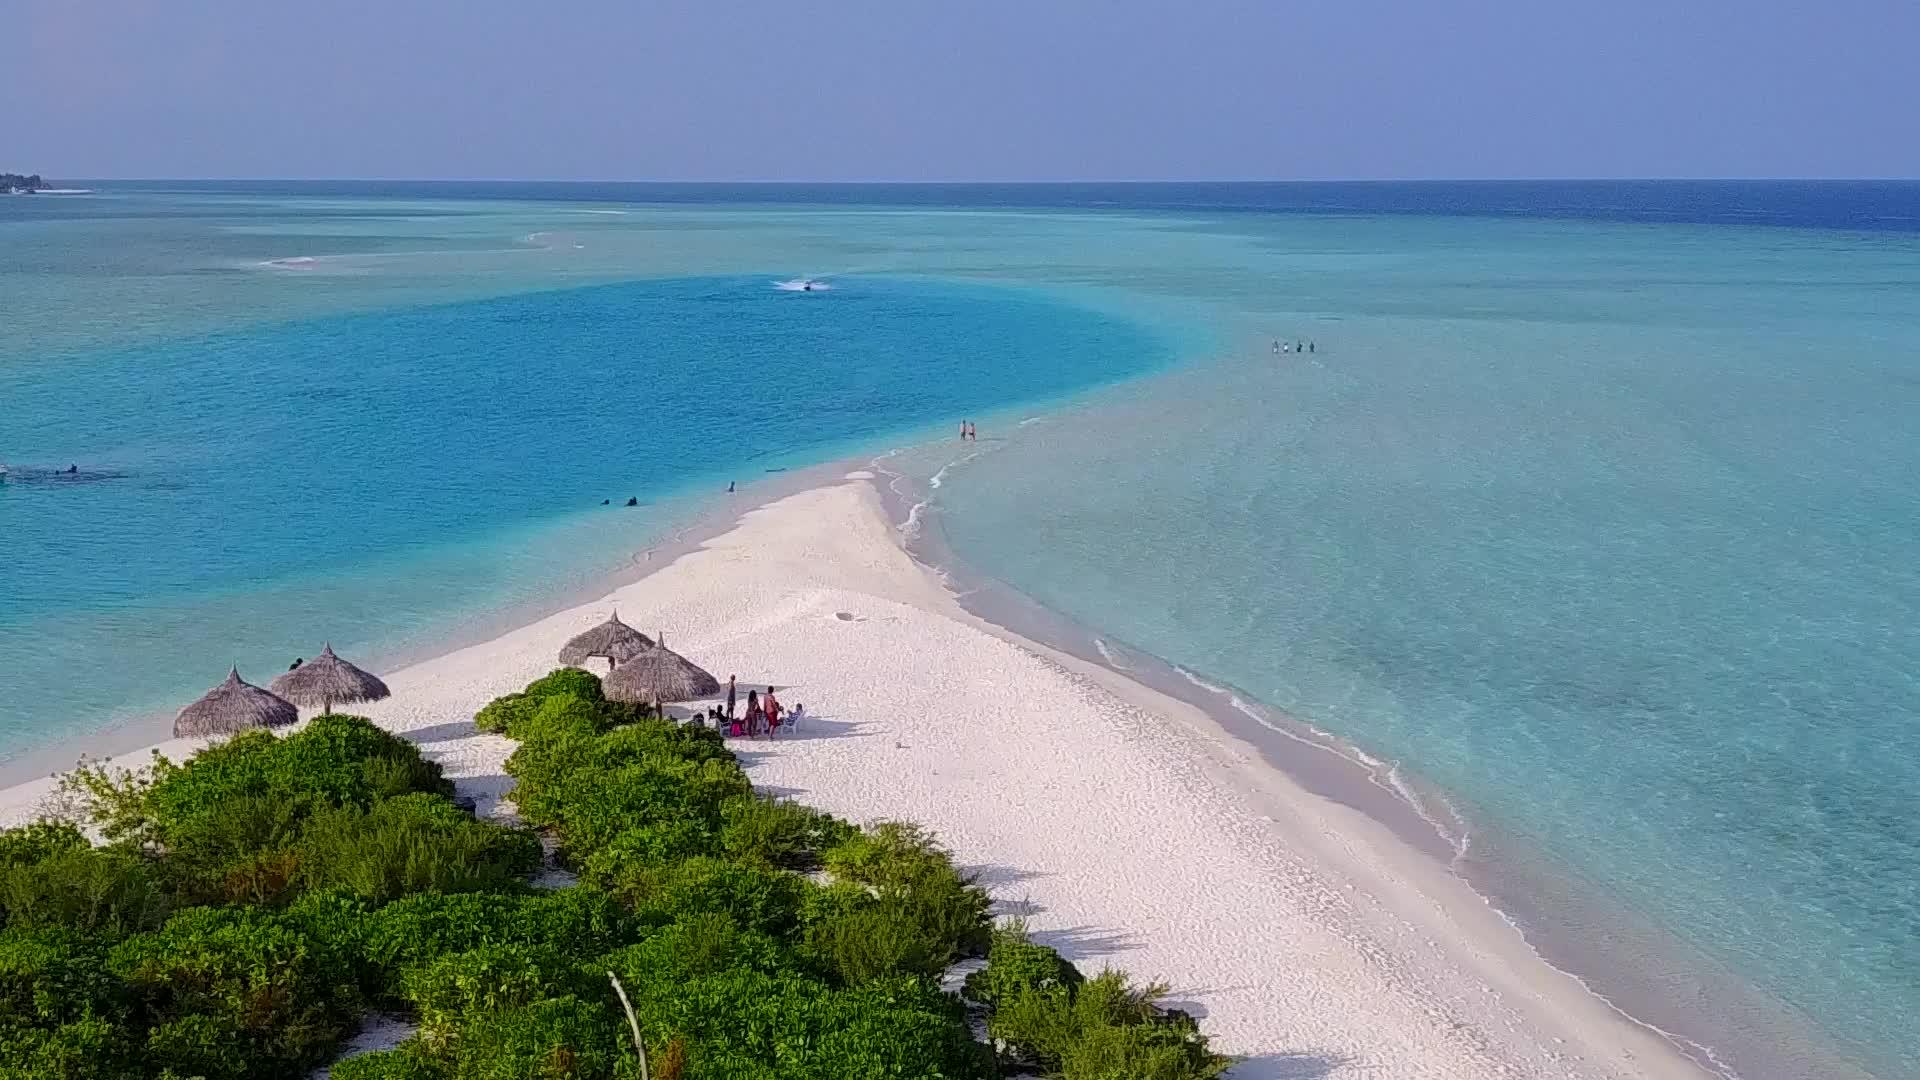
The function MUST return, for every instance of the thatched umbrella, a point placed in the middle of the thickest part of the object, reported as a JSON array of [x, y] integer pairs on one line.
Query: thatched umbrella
[[234, 705], [613, 639], [659, 675], [327, 680]]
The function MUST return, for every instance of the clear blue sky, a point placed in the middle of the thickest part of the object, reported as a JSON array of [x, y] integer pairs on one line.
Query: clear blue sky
[[963, 90]]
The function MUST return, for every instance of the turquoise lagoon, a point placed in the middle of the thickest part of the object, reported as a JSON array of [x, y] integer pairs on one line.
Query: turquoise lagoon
[[1593, 509]]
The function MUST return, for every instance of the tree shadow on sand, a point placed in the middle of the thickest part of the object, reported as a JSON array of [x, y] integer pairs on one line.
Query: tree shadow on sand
[[1080, 943], [436, 733], [1288, 1067]]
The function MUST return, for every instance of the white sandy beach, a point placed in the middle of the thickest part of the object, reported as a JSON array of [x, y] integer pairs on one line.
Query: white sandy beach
[[1127, 827]]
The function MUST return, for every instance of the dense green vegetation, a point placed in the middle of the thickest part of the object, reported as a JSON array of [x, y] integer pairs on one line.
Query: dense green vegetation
[[10, 181], [250, 904]]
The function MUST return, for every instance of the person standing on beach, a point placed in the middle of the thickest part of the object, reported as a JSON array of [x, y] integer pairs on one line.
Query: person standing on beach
[[729, 697], [772, 707], [753, 713]]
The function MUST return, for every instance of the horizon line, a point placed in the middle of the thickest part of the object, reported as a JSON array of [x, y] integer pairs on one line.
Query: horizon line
[[989, 183]]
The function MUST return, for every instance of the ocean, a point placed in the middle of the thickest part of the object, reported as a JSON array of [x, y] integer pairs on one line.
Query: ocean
[[1590, 515]]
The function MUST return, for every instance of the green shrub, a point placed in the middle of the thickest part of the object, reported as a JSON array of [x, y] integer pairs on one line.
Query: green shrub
[[1104, 1029], [409, 1061], [249, 793], [779, 833], [106, 890], [876, 940], [590, 805], [917, 895], [562, 1038], [31, 843], [412, 844], [1016, 966], [649, 846], [582, 684], [1171, 1049], [499, 714], [559, 716], [237, 993], [82, 1050], [757, 899], [579, 923], [698, 945], [483, 980], [899, 1028], [50, 978]]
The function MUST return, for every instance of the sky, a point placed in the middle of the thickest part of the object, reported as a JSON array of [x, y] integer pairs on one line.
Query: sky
[[833, 90]]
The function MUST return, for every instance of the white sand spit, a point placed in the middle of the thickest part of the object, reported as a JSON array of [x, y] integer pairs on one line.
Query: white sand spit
[[1126, 827]]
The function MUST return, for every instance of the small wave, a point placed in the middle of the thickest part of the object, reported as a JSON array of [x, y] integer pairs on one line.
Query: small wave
[[940, 477], [1112, 661], [1382, 774], [291, 262]]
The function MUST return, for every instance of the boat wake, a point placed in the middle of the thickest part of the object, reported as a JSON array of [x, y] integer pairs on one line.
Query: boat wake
[[803, 285]]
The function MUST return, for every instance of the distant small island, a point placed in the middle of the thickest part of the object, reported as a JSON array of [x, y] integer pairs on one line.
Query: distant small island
[[15, 184]]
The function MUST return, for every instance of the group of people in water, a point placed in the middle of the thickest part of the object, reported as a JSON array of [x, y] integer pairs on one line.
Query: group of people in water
[[764, 716], [634, 500], [967, 432], [1298, 346]]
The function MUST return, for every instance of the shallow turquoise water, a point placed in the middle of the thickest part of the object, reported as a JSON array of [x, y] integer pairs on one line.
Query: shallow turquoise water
[[1628, 569], [1604, 529]]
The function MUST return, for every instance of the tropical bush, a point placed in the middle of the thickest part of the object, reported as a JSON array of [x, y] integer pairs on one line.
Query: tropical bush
[[499, 714], [252, 901], [415, 843], [236, 992], [1047, 1015], [775, 832], [1016, 966], [108, 891]]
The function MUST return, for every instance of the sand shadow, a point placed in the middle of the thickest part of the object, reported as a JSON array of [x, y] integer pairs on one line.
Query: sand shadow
[[487, 793], [1288, 1067], [1078, 943], [770, 791], [821, 727], [813, 727], [990, 875], [441, 732], [996, 880]]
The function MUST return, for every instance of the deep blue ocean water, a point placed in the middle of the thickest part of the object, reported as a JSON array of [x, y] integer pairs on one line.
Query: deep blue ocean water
[[249, 493], [1593, 508]]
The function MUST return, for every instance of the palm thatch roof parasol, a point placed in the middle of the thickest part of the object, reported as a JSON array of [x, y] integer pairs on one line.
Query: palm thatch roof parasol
[[234, 705], [326, 681], [659, 674], [613, 639]]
